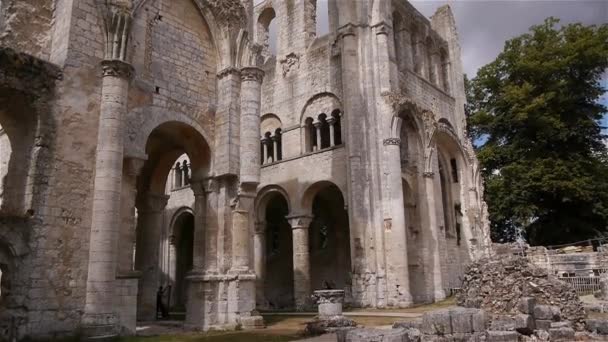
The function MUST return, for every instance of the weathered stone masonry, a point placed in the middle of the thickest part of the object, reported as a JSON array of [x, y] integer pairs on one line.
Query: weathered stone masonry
[[163, 142]]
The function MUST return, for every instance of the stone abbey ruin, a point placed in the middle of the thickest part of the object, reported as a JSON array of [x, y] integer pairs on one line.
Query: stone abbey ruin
[[150, 143]]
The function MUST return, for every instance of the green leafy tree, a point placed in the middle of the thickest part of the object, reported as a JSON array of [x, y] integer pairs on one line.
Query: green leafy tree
[[534, 111]]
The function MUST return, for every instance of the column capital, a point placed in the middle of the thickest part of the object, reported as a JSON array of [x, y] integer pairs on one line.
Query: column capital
[[252, 74], [152, 202], [260, 227], [228, 71], [317, 124], [331, 120], [428, 174], [134, 165], [346, 30], [299, 221], [204, 186], [117, 68], [382, 28], [274, 138], [391, 141]]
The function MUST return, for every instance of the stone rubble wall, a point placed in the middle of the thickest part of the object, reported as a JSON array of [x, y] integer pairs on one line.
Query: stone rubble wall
[[497, 285]]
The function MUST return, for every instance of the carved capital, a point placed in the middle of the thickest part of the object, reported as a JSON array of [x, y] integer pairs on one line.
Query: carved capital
[[317, 124], [382, 28], [133, 166], [198, 187], [228, 71], [299, 221], [117, 68], [346, 30], [428, 174], [331, 120], [252, 74], [391, 141]]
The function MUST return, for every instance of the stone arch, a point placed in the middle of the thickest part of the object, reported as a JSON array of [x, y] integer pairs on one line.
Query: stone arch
[[142, 121], [329, 237], [316, 110], [273, 249], [311, 191], [265, 24], [181, 249], [265, 194], [164, 144]]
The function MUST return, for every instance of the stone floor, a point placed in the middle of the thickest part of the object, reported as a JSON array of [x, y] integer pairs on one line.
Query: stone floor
[[324, 338]]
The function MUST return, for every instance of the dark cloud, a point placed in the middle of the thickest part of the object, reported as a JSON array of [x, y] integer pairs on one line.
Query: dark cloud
[[484, 26]]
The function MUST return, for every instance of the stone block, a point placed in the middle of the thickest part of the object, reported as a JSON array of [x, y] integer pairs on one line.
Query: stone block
[[526, 305], [436, 323], [414, 324], [378, 335], [524, 324], [502, 336], [503, 323], [543, 324], [479, 321], [599, 326], [547, 312], [561, 334], [461, 320]]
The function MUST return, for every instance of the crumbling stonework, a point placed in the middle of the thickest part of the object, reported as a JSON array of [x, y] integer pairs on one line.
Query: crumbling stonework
[[336, 161], [498, 286]]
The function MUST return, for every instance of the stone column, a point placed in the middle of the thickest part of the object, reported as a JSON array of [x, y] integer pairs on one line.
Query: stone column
[[132, 168], [265, 151], [301, 260], [433, 240], [275, 147], [259, 262], [331, 121], [395, 229], [251, 82], [149, 228], [317, 125], [200, 204], [99, 315]]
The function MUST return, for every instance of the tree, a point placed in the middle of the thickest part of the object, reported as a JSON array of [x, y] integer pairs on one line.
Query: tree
[[536, 109]]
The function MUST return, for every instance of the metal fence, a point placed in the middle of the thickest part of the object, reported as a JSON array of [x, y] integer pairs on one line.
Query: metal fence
[[583, 285]]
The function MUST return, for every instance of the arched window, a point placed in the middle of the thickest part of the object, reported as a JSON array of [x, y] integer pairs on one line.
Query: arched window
[[336, 122], [310, 135], [445, 70], [429, 60], [186, 171], [267, 32], [322, 17], [177, 173], [324, 131]]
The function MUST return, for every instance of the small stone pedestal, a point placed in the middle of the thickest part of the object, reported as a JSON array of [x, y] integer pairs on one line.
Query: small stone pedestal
[[330, 303], [330, 317]]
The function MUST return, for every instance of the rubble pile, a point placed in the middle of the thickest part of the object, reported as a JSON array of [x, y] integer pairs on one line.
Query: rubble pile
[[498, 285]]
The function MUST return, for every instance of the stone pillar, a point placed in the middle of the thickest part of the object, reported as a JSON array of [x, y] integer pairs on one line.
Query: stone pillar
[[317, 125], [275, 147], [126, 240], [200, 204], [265, 151], [251, 82], [395, 229], [435, 69], [259, 262], [99, 317], [147, 259], [301, 260], [433, 240], [331, 121]]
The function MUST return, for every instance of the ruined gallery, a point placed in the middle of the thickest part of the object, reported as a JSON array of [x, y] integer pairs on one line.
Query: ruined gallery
[[180, 143]]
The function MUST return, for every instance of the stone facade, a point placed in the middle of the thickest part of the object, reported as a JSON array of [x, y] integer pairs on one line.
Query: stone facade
[[337, 161]]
